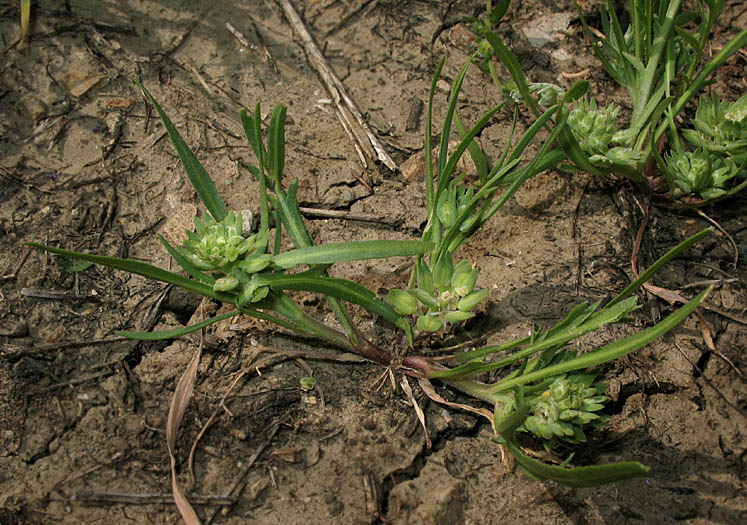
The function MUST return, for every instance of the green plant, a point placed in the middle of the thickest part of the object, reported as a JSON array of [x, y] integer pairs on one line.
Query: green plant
[[658, 58], [549, 389]]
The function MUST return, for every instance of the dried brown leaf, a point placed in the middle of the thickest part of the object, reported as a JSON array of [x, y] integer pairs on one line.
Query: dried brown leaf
[[418, 410], [179, 404]]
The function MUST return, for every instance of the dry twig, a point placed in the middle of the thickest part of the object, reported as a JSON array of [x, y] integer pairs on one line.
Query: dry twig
[[337, 90]]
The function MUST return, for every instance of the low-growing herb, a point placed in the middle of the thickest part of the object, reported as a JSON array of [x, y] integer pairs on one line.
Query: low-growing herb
[[548, 389]]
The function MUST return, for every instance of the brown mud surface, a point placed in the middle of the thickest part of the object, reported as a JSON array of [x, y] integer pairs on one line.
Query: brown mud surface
[[85, 165]]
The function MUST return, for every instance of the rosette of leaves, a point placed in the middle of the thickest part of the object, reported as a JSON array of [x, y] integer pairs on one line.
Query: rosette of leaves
[[559, 411]]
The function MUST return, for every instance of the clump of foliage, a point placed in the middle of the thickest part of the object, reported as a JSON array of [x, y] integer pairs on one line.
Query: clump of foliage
[[548, 388], [659, 58]]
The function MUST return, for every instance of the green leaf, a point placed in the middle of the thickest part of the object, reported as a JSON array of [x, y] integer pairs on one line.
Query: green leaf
[[608, 352], [509, 60], [350, 251], [201, 181], [276, 143], [185, 264], [71, 265], [176, 332], [144, 269], [253, 133], [429, 189], [478, 157], [578, 323], [443, 149], [645, 276], [498, 11], [339, 288], [290, 215], [578, 476]]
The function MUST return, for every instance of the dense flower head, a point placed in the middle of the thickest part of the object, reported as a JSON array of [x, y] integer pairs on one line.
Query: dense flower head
[[720, 126], [701, 172], [559, 411], [216, 245], [444, 295], [220, 247], [597, 134]]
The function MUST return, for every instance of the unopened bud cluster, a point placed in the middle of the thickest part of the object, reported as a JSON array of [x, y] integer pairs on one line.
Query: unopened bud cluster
[[443, 295], [559, 412], [452, 204], [720, 141], [219, 247], [596, 131]]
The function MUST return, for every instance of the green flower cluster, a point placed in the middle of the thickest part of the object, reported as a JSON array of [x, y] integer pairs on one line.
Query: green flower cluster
[[720, 126], [700, 171], [220, 247], [720, 139], [719, 136], [444, 295], [596, 131], [452, 203], [559, 410]]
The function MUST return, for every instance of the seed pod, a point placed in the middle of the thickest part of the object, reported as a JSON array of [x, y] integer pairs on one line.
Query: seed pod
[[425, 298], [428, 323], [471, 300], [225, 284], [256, 263], [307, 383], [464, 279], [446, 208], [403, 302], [458, 316], [252, 293], [468, 223]]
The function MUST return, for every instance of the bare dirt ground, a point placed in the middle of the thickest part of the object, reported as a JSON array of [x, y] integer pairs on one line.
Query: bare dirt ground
[[85, 165]]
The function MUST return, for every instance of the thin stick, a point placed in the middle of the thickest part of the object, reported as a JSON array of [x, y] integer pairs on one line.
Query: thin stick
[[238, 35], [240, 482], [334, 85], [729, 237], [341, 214], [109, 498]]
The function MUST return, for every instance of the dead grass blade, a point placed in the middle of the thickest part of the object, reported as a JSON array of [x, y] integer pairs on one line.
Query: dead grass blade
[[418, 410], [179, 404]]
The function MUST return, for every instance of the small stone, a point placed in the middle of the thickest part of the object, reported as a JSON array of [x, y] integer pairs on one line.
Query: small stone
[[546, 29]]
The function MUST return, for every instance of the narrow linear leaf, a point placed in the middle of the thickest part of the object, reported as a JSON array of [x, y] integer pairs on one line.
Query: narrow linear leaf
[[201, 181], [144, 269], [509, 60], [338, 288], [350, 251], [611, 351], [592, 476], [185, 264], [276, 143], [478, 157], [176, 332], [651, 270]]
